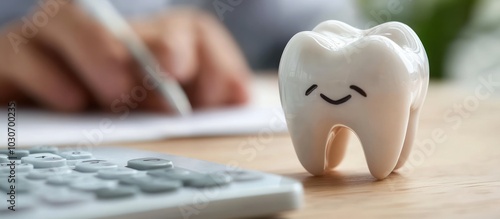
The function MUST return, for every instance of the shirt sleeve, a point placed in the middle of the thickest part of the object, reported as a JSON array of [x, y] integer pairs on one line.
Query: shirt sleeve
[[13, 10], [263, 27]]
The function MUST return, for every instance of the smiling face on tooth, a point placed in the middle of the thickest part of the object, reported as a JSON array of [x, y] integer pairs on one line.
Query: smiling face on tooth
[[339, 101], [326, 77], [372, 82]]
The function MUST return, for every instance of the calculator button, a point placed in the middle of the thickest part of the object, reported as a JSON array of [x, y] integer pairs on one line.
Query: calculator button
[[15, 161], [73, 162], [5, 168], [241, 175], [210, 180], [94, 165], [76, 155], [91, 185], [115, 173], [152, 185], [44, 149], [149, 163], [44, 160], [63, 197], [185, 176], [62, 180], [4, 158], [17, 154], [21, 185], [133, 179], [116, 192], [46, 172], [23, 203]]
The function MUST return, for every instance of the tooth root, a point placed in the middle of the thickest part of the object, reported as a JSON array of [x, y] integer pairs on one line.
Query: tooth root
[[309, 142], [383, 145], [409, 139], [336, 146]]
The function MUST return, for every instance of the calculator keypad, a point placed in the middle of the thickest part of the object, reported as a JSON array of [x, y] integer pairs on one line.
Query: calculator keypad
[[76, 176]]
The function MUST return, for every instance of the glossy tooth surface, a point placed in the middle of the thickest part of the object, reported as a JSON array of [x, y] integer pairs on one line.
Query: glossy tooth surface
[[338, 80]]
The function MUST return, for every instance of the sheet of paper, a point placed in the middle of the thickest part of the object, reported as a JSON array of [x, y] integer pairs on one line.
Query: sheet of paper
[[36, 127]]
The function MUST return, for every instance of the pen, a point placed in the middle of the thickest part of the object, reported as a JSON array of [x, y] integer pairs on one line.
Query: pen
[[105, 12]]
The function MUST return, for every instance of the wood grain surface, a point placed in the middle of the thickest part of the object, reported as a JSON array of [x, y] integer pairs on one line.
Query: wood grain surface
[[453, 172]]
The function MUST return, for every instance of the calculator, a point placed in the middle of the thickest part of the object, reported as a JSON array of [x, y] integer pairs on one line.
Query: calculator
[[117, 182]]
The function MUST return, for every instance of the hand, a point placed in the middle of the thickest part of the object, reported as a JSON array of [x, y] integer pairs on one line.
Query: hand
[[73, 63]]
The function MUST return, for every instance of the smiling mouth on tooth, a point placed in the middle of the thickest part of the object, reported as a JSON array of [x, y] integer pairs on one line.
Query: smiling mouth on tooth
[[336, 102], [339, 101]]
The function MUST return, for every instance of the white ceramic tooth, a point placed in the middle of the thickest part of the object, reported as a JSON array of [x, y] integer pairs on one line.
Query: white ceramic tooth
[[337, 80]]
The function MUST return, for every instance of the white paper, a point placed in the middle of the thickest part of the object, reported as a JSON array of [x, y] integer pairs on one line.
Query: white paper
[[37, 127]]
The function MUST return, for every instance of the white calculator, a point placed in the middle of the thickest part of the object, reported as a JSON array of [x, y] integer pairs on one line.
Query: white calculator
[[116, 182]]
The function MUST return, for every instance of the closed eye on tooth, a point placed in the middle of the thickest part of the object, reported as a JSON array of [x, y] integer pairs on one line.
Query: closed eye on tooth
[[359, 90], [311, 89]]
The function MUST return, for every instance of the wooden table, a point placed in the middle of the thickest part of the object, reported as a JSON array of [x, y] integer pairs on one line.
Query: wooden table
[[454, 174]]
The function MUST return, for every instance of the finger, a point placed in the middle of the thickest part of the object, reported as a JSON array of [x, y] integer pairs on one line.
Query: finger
[[45, 81], [144, 95], [95, 55], [223, 71], [172, 39], [8, 91]]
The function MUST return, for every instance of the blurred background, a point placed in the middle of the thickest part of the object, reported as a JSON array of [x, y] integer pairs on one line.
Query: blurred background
[[461, 37]]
